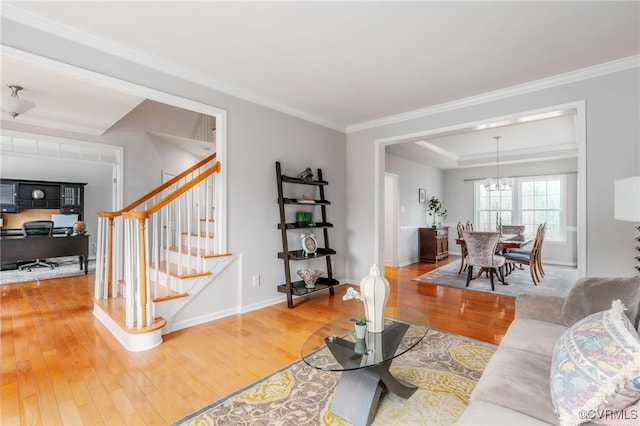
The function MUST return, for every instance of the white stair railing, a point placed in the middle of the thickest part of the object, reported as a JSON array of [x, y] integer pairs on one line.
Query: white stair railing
[[145, 247]]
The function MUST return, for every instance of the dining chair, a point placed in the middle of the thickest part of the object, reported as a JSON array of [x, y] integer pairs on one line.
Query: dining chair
[[481, 252], [468, 226], [532, 258], [463, 247]]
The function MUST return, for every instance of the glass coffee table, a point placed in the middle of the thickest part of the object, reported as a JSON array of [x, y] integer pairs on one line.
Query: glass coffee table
[[364, 363]]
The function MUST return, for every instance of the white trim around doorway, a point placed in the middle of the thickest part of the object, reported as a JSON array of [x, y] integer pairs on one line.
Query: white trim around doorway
[[379, 171]]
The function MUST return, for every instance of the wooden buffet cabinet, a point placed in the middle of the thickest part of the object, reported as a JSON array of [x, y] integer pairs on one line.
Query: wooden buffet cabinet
[[434, 244]]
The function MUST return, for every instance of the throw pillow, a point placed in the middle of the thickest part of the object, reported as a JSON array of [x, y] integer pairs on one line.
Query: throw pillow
[[595, 366]]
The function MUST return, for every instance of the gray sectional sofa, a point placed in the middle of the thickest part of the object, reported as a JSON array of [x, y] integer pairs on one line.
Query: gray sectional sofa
[[514, 389]]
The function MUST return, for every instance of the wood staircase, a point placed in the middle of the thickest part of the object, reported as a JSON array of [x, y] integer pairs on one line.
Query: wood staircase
[[155, 256]]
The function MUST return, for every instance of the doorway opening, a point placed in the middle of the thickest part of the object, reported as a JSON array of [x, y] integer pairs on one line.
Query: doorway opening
[[577, 111]]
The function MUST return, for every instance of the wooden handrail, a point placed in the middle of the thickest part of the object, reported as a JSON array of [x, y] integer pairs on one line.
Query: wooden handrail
[[159, 189], [110, 215], [132, 268], [174, 195]]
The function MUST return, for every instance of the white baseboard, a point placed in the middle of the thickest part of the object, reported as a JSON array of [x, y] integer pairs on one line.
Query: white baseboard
[[191, 322]]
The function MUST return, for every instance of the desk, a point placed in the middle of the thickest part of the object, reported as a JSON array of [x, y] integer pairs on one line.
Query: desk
[[364, 363], [16, 248]]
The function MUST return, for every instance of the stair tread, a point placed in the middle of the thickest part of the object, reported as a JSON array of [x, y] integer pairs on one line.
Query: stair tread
[[173, 296], [193, 251], [202, 234], [115, 308], [210, 256], [162, 290], [177, 271]]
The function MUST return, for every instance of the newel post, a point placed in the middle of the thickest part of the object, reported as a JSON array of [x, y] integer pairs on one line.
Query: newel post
[[110, 257], [142, 281]]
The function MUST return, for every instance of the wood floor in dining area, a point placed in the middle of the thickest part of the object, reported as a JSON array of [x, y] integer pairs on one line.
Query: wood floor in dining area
[[61, 367]]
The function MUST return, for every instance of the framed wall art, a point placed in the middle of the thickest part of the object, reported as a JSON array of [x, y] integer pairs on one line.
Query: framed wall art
[[422, 195]]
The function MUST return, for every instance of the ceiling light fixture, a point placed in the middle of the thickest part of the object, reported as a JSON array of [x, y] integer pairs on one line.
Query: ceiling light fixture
[[14, 105], [497, 183]]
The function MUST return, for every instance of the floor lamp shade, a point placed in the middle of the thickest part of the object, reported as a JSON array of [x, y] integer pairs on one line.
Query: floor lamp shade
[[627, 199], [627, 204]]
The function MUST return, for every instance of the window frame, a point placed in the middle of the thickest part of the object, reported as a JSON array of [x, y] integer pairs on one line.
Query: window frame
[[517, 210]]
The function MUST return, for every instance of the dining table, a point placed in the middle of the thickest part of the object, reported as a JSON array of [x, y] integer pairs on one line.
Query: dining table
[[506, 242], [514, 241]]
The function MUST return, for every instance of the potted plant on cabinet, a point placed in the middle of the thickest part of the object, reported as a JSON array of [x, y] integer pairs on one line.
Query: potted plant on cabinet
[[436, 209]]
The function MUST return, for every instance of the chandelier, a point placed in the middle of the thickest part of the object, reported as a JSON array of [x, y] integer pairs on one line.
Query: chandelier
[[497, 183]]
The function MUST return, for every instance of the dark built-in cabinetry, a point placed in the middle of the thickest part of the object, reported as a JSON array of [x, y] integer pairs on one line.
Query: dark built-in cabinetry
[[311, 244], [67, 197], [434, 244]]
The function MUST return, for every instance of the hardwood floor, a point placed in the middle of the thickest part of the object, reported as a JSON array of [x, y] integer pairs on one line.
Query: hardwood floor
[[61, 367]]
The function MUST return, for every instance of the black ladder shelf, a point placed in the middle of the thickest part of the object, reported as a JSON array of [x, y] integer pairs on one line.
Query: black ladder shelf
[[297, 288]]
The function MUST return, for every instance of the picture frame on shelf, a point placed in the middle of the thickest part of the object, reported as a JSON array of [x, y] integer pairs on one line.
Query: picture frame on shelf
[[422, 195]]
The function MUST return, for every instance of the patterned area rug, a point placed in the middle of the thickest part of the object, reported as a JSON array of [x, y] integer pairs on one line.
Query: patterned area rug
[[444, 366], [556, 282], [67, 266]]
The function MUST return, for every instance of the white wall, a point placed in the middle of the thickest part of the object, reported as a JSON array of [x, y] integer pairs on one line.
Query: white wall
[[612, 152]]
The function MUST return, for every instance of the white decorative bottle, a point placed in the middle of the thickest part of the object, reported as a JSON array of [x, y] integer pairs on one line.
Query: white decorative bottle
[[375, 291]]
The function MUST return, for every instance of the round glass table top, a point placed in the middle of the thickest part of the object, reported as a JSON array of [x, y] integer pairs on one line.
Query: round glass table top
[[334, 346]]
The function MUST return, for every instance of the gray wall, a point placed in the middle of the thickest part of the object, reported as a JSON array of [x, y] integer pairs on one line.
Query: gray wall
[[130, 132], [458, 199], [455, 190], [413, 175], [97, 177], [412, 214], [257, 137]]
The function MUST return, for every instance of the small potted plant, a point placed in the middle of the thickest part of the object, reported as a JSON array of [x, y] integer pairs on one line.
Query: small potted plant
[[360, 323], [361, 327], [436, 209]]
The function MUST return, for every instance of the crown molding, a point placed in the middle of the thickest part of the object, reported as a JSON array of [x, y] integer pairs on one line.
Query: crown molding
[[55, 125], [58, 29], [40, 23], [532, 86]]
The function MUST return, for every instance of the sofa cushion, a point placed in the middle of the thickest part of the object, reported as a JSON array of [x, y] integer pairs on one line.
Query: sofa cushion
[[541, 307], [483, 413], [518, 380], [531, 335], [591, 295], [596, 365]]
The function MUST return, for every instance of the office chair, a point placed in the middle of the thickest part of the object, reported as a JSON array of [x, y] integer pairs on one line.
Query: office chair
[[37, 228]]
